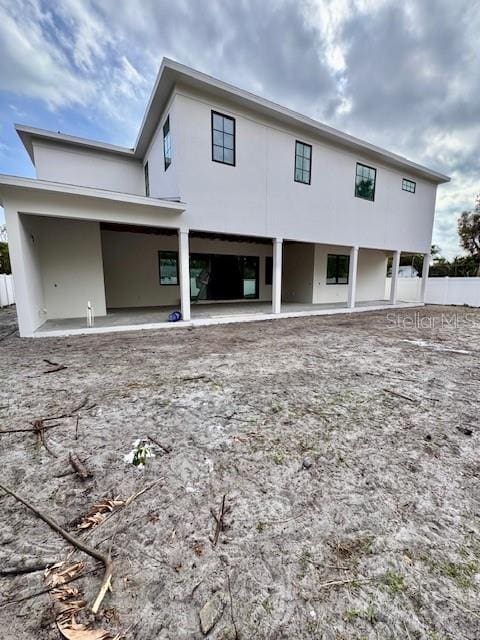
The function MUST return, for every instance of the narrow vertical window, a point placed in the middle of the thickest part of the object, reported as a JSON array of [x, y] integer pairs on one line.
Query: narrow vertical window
[[303, 162], [167, 144], [223, 139], [147, 182], [168, 267]]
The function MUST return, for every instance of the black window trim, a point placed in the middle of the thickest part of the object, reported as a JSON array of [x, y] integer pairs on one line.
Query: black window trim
[[147, 179], [169, 284], [337, 256], [411, 182], [362, 164], [165, 165], [224, 115], [295, 163]]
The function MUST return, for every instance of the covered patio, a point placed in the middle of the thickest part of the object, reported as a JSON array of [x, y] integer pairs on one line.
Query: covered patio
[[206, 314]]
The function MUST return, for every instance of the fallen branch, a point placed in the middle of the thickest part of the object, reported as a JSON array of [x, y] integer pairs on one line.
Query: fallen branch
[[56, 366], [237, 636], [105, 559], [400, 395], [79, 467], [28, 429], [21, 569], [39, 430], [219, 520], [339, 583], [159, 444]]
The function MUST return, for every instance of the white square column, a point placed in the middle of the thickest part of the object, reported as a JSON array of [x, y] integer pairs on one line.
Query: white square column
[[352, 277], [425, 271], [277, 275], [394, 287], [184, 269]]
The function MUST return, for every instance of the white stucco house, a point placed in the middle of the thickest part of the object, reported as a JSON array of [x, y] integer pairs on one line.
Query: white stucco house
[[228, 207]]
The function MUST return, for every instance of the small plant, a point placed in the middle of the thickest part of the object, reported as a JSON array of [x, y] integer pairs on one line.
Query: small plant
[[278, 458], [461, 573], [139, 454], [368, 615], [261, 526], [395, 582]]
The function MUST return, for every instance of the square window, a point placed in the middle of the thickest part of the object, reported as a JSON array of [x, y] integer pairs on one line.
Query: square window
[[408, 185], [223, 138], [337, 269]]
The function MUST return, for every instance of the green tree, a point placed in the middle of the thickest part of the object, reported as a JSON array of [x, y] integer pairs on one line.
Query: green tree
[[469, 232], [4, 258]]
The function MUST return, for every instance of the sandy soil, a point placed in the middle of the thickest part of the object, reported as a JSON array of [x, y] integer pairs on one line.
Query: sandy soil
[[347, 448]]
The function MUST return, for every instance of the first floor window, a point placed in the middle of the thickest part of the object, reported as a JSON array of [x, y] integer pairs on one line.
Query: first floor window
[[303, 162], [147, 181], [168, 267], [268, 270], [408, 185], [167, 144], [223, 138], [365, 182], [337, 269]]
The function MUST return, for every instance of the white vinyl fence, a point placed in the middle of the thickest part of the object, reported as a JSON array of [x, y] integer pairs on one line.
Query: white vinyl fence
[[456, 291], [7, 294]]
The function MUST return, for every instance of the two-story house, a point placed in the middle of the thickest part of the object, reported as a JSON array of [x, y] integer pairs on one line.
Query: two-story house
[[228, 206]]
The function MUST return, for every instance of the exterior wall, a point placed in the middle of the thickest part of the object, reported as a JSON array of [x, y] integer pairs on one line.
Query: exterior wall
[[164, 184], [260, 197], [88, 168], [298, 272], [371, 275], [69, 259], [132, 273]]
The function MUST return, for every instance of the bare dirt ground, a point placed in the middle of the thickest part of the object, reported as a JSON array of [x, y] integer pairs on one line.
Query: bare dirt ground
[[347, 448]]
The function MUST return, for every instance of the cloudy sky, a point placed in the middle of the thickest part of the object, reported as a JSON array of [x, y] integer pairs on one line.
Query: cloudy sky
[[405, 75]]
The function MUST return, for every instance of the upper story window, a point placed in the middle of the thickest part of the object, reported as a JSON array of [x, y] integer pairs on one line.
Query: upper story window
[[408, 185], [167, 144], [337, 269], [303, 162], [365, 182], [147, 182], [223, 138]]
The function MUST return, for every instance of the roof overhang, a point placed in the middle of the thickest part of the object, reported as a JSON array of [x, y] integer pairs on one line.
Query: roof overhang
[[15, 185], [172, 73]]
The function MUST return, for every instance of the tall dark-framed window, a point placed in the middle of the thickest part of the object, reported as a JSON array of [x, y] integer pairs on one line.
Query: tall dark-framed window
[[268, 270], [337, 269], [167, 144], [365, 179], [147, 181], [408, 185], [168, 267], [223, 138], [303, 162]]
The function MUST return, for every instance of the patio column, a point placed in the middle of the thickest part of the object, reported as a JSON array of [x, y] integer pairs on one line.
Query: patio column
[[394, 287], [277, 276], [184, 268], [352, 277], [425, 271]]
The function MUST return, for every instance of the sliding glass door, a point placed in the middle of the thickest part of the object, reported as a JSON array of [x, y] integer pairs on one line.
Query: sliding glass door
[[223, 277]]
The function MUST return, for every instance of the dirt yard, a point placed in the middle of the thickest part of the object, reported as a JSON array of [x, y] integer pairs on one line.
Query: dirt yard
[[347, 448]]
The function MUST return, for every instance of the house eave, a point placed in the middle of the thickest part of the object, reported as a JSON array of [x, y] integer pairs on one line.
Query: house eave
[[16, 185]]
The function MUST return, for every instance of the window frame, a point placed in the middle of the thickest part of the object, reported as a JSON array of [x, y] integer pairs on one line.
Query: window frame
[[337, 256], [168, 284], [224, 115], [146, 177], [165, 135], [305, 144], [404, 180], [268, 270], [361, 164]]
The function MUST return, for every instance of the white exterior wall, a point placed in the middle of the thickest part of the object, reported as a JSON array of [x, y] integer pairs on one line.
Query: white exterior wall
[[259, 196], [164, 184], [371, 275], [298, 272], [69, 259], [88, 168], [131, 266]]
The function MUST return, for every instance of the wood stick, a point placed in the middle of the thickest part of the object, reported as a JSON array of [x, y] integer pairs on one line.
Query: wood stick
[[79, 467], [219, 520], [28, 429], [159, 444], [400, 395], [26, 568], [105, 559]]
